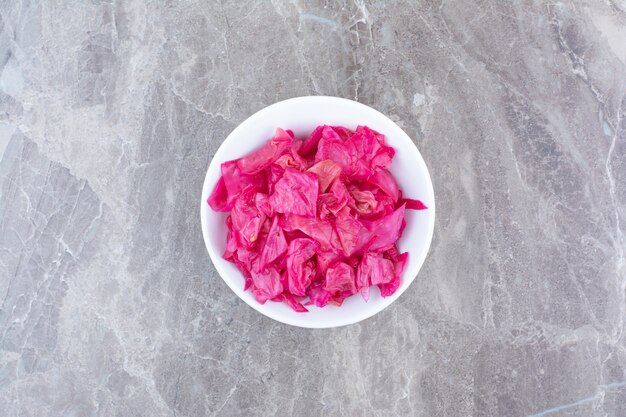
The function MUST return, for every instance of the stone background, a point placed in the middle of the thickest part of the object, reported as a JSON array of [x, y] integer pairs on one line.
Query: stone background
[[110, 112]]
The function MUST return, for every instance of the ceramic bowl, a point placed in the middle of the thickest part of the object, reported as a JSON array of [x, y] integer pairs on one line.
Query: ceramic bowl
[[302, 115]]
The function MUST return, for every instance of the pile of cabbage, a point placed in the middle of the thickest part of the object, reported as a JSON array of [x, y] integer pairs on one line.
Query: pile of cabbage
[[315, 221]]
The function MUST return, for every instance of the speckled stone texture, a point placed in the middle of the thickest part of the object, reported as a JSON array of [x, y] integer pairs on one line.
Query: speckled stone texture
[[110, 112]]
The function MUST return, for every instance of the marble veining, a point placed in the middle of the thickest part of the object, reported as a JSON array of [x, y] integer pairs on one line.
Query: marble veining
[[110, 112]]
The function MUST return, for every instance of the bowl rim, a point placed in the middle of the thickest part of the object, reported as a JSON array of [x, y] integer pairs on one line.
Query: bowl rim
[[317, 100]]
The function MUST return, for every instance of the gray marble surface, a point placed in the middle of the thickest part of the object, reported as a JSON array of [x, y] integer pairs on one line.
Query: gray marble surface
[[111, 110]]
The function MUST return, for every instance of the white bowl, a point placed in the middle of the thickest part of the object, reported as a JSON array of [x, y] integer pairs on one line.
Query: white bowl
[[302, 115]]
